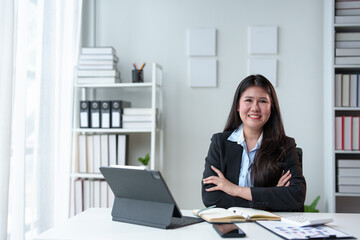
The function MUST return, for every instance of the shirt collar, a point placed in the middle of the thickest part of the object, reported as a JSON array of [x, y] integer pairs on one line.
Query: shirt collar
[[238, 136]]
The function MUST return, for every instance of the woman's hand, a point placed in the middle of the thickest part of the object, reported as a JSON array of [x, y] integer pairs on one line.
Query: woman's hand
[[226, 186], [220, 181], [285, 179]]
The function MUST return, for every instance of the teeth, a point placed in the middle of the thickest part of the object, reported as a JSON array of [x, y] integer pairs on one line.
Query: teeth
[[254, 116]]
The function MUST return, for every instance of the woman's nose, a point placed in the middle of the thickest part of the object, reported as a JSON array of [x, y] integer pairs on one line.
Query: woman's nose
[[255, 106]]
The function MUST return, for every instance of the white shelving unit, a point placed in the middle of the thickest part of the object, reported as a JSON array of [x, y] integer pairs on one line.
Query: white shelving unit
[[150, 96], [337, 202]]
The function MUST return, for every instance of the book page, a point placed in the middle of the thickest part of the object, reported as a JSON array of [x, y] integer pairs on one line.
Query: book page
[[251, 212], [217, 212]]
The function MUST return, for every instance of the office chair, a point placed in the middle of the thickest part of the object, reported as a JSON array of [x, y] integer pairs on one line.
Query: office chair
[[300, 154]]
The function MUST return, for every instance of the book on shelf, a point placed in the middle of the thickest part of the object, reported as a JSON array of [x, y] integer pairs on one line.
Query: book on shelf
[[96, 194], [356, 133], [97, 153], [78, 201], [117, 107], [137, 125], [98, 57], [83, 62], [234, 214], [347, 36], [84, 114], [345, 90], [111, 197], [96, 67], [347, 4], [103, 194], [97, 80], [353, 91], [347, 134], [349, 163], [98, 50], [349, 188], [348, 180], [95, 114], [98, 73], [347, 19], [87, 194], [112, 149], [104, 149], [347, 44], [338, 89], [356, 76], [105, 114], [90, 153], [137, 118], [82, 159], [347, 12], [347, 52], [348, 172], [122, 149], [347, 60], [101, 150], [138, 111], [72, 197], [339, 133]]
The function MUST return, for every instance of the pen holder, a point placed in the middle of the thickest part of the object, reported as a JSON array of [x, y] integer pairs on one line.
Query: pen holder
[[137, 76]]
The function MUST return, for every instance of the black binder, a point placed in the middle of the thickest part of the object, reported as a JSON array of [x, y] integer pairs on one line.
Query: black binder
[[117, 111], [95, 114], [142, 197], [84, 120], [105, 114]]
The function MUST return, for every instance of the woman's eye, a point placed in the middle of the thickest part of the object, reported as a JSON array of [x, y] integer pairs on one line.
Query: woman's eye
[[248, 100]]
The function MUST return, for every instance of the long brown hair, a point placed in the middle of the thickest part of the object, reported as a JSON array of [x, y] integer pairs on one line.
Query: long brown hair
[[267, 162]]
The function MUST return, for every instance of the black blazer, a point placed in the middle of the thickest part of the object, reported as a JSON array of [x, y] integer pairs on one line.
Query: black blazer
[[226, 156]]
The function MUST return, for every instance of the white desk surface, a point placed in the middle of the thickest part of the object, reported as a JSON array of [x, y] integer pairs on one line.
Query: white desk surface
[[96, 223]]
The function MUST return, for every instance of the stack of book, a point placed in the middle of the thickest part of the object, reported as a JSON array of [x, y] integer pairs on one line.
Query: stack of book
[[97, 65], [347, 48], [90, 193], [101, 150], [349, 175], [347, 11], [347, 135], [137, 118], [347, 89]]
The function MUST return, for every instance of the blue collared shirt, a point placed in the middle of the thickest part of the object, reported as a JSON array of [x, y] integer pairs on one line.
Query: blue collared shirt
[[247, 158]]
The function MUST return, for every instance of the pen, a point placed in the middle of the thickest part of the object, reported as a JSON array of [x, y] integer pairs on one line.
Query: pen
[[142, 66], [134, 65]]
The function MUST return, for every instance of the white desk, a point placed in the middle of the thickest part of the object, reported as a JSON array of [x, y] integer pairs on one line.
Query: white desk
[[96, 223]]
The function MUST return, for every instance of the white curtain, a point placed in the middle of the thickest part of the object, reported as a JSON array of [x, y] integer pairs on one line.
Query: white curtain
[[6, 82], [46, 44]]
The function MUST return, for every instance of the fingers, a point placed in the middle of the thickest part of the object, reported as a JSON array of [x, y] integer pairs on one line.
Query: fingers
[[210, 180], [212, 189], [218, 172], [284, 180]]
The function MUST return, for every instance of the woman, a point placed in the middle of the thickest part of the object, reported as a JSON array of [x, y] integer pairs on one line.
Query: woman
[[252, 163]]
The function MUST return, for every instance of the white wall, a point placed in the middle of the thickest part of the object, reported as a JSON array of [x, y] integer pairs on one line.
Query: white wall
[[156, 31]]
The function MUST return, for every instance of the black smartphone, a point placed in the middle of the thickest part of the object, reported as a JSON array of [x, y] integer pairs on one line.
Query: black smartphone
[[228, 230]]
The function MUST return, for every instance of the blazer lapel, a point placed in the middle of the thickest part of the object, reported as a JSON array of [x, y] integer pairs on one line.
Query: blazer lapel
[[233, 160]]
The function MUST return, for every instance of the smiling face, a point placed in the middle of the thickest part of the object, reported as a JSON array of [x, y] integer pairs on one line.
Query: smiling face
[[254, 108]]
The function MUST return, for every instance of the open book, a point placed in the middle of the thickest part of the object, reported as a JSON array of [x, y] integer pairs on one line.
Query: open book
[[234, 214]]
